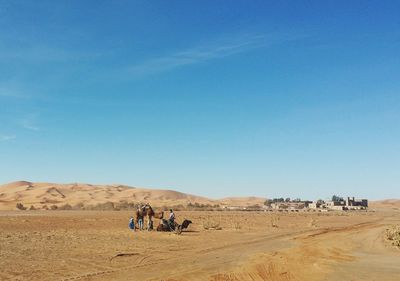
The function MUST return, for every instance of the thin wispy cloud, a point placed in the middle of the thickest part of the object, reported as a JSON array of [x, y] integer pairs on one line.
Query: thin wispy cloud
[[199, 54], [7, 137], [29, 123], [30, 127]]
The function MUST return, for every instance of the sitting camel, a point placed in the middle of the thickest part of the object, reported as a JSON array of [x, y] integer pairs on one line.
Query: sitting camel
[[165, 226]]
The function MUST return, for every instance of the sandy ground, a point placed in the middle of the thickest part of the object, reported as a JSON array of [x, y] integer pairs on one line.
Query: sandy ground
[[82, 245]]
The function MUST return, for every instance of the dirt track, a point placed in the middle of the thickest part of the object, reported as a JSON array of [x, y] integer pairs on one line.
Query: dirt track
[[73, 245]]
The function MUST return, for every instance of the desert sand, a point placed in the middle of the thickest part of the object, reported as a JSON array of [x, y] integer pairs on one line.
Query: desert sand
[[84, 245], [256, 245], [388, 204]]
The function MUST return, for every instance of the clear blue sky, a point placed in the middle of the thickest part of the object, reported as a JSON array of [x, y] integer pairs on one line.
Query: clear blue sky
[[215, 98]]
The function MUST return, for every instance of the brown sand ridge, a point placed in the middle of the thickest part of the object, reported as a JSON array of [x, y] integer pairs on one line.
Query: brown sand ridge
[[242, 201], [386, 204], [40, 194]]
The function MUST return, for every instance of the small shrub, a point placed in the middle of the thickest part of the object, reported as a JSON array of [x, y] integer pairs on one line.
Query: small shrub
[[274, 221], [393, 235], [312, 223], [125, 205], [65, 207], [210, 224], [79, 206], [53, 207], [236, 225], [20, 206], [106, 206]]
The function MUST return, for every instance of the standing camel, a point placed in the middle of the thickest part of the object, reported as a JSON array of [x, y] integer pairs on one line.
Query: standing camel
[[149, 213], [140, 213]]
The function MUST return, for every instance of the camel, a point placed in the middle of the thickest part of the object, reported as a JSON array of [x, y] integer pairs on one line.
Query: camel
[[148, 213], [164, 226]]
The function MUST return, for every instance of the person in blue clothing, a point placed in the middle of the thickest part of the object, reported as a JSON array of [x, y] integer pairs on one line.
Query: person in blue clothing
[[132, 223]]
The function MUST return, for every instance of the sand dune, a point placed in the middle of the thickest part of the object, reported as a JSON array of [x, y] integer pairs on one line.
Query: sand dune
[[242, 201], [386, 204], [41, 194]]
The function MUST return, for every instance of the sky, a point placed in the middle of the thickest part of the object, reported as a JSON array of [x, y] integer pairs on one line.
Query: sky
[[214, 98]]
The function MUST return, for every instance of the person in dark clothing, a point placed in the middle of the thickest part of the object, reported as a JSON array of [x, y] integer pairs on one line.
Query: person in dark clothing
[[171, 219]]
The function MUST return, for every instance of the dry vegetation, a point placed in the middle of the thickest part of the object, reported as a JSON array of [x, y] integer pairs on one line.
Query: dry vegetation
[[211, 224], [275, 220], [393, 235], [128, 206]]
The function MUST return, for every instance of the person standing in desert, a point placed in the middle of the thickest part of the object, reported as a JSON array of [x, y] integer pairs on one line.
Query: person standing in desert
[[132, 223], [171, 219], [139, 217]]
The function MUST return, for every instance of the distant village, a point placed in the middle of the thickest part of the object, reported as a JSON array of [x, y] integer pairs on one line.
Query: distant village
[[335, 204]]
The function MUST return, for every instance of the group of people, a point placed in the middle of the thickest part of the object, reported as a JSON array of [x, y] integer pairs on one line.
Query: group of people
[[147, 211]]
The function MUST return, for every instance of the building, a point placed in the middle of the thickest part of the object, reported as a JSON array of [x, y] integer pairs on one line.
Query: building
[[336, 205], [315, 205], [361, 203], [341, 205], [348, 204], [288, 205]]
